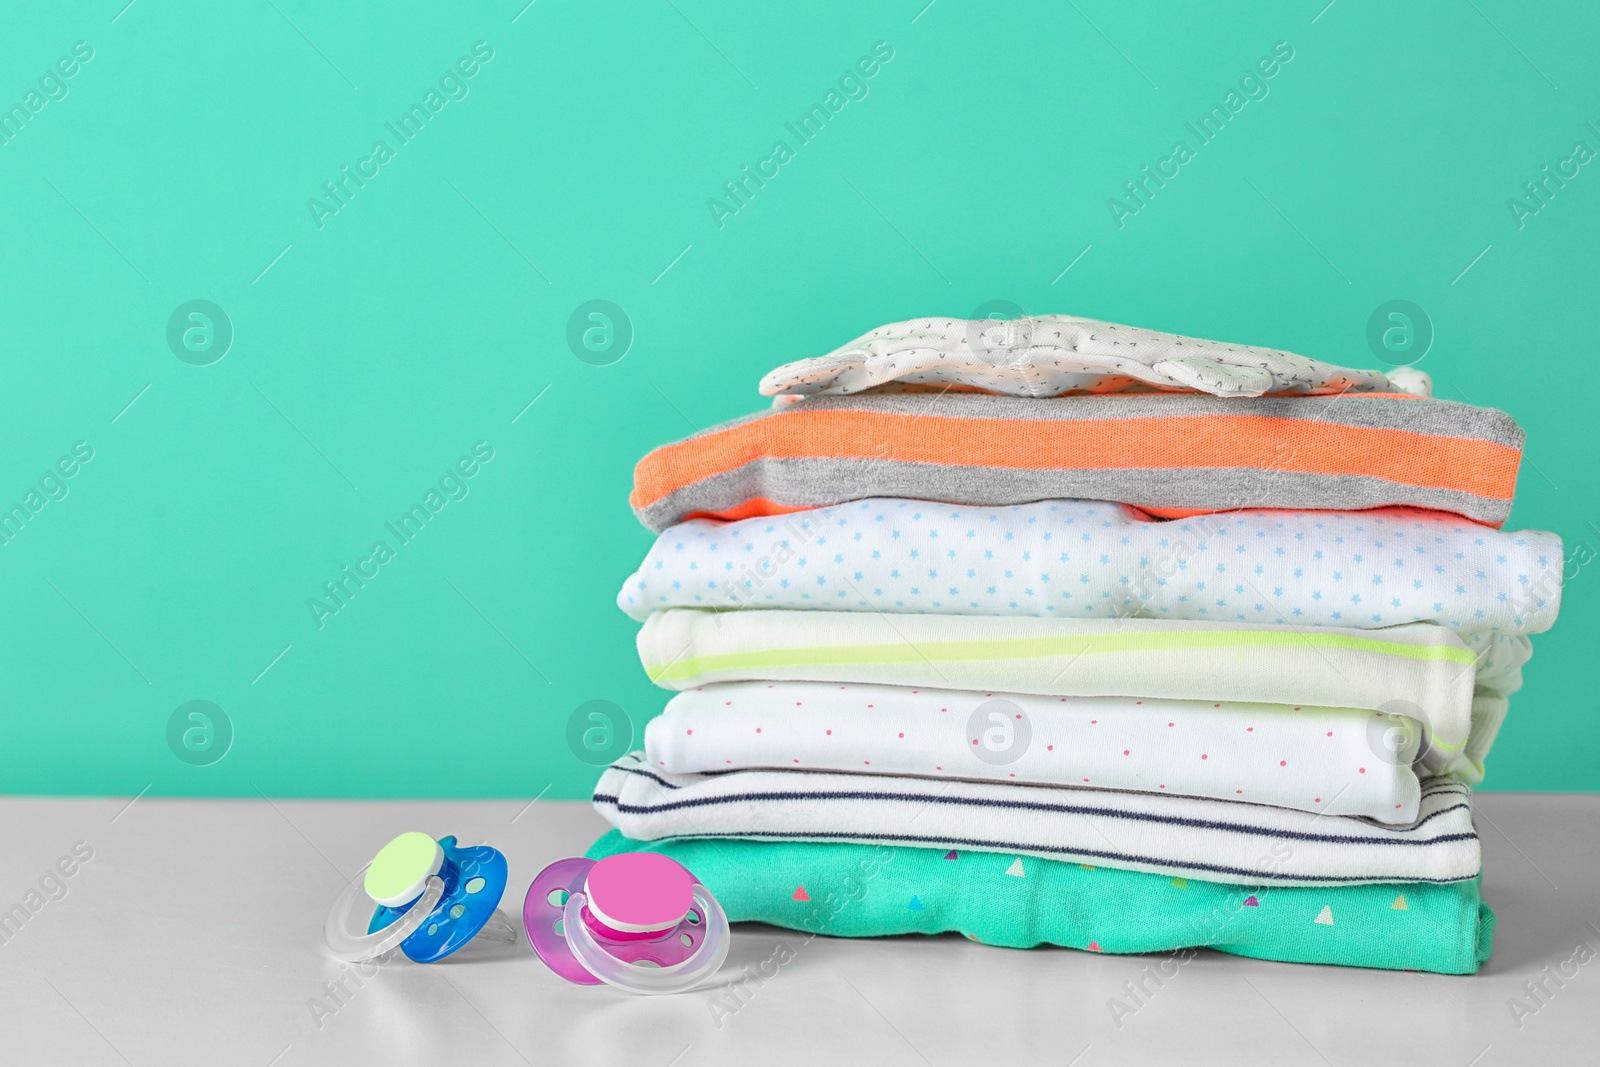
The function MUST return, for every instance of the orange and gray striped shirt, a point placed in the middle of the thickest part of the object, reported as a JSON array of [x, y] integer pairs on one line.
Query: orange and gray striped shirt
[[1172, 455]]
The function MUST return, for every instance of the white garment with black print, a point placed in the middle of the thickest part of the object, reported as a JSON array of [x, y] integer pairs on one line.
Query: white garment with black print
[[1189, 837]]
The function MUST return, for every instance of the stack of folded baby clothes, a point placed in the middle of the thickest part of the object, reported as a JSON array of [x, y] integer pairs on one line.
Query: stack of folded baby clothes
[[1057, 631]]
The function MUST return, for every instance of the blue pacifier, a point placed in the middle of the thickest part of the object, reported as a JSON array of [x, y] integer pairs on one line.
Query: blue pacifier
[[431, 897]]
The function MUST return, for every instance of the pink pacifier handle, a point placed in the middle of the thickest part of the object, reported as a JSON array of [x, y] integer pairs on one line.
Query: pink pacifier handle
[[637, 895]]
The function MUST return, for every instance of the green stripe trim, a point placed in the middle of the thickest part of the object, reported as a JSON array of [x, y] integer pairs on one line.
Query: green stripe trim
[[1048, 647]]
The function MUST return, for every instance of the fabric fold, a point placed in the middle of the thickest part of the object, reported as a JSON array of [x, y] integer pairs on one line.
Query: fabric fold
[[1335, 761], [1094, 560], [850, 890], [1221, 841]]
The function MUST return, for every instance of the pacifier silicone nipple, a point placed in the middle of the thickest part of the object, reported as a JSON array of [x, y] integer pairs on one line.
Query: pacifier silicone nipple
[[638, 921], [426, 897]]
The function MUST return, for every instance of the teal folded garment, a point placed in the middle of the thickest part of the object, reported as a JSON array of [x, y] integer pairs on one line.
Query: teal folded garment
[[849, 890]]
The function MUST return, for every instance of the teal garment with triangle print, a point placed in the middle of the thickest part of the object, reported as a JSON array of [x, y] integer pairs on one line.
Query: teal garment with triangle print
[[851, 890]]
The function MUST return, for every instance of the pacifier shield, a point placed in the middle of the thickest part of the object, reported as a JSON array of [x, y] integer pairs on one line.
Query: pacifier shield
[[541, 917]]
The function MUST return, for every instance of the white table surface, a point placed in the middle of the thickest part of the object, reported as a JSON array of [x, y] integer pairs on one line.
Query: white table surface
[[193, 936]]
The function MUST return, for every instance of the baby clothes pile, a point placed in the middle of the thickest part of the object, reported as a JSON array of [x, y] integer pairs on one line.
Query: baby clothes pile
[[1058, 631]]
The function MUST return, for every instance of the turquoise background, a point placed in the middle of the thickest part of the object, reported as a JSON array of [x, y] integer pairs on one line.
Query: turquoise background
[[425, 316]]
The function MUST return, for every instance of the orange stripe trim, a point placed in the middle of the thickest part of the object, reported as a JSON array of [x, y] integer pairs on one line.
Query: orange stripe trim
[[761, 507], [1469, 465], [755, 507], [1189, 513]]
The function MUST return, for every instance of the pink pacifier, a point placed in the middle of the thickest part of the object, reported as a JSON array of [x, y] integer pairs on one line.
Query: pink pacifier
[[638, 921]]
